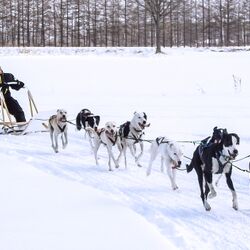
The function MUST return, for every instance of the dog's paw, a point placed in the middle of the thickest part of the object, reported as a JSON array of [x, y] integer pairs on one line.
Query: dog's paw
[[175, 187], [207, 206], [212, 195]]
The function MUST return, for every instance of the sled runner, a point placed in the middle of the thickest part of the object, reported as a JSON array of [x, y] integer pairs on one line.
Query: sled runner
[[9, 126]]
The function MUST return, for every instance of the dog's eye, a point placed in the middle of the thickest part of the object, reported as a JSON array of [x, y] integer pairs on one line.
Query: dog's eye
[[108, 126]]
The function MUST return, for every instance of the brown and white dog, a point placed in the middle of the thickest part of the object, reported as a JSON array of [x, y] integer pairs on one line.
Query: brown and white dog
[[108, 136], [58, 126]]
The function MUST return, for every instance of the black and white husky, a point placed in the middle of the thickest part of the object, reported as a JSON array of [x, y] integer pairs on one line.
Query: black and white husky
[[131, 133], [215, 158], [171, 155], [86, 119]]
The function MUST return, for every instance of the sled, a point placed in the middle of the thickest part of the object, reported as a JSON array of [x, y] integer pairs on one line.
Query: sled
[[9, 126]]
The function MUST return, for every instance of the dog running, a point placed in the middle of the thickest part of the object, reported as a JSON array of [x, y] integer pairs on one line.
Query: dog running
[[108, 136], [132, 133], [58, 126], [214, 157], [171, 155], [86, 119]]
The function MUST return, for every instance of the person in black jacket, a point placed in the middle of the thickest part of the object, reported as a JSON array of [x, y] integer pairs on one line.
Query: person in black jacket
[[8, 81]]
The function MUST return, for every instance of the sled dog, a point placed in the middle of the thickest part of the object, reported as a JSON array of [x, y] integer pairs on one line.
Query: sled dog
[[58, 126], [108, 136], [132, 133], [86, 119], [215, 158], [171, 155]]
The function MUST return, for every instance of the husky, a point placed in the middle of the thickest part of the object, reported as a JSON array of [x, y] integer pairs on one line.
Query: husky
[[58, 126], [215, 158], [132, 133], [86, 119], [171, 155]]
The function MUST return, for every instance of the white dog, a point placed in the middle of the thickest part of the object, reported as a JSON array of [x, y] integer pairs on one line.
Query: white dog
[[109, 137], [131, 133], [58, 126], [170, 156]]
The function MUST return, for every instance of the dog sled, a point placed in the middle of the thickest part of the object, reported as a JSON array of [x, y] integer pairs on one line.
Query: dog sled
[[9, 126]]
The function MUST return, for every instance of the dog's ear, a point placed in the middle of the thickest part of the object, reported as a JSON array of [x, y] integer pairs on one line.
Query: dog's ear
[[145, 116], [78, 121], [237, 138], [97, 117]]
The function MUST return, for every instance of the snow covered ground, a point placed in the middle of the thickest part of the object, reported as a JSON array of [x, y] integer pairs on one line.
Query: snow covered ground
[[64, 201]]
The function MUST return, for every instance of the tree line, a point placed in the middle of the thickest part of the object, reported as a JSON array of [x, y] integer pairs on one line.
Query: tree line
[[80, 23]]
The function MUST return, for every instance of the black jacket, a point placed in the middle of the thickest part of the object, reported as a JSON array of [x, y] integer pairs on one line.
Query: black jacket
[[5, 84]]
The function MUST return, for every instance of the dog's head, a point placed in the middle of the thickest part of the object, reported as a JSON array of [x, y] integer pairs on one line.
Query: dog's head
[[139, 121], [110, 128], [229, 143], [86, 112], [92, 121], [217, 135], [85, 118], [175, 153], [61, 115]]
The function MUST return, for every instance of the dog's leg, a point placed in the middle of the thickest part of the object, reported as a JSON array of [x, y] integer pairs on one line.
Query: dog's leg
[[153, 154], [217, 181], [111, 156], [170, 173], [200, 180], [139, 156], [97, 146], [119, 146], [56, 142], [90, 138], [231, 187], [52, 138], [208, 177], [174, 178], [125, 154], [65, 140]]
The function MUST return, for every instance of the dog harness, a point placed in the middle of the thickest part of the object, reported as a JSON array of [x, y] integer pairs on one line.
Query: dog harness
[[111, 139]]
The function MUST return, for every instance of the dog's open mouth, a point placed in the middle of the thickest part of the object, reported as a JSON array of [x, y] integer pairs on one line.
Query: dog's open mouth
[[63, 119], [143, 125], [232, 155]]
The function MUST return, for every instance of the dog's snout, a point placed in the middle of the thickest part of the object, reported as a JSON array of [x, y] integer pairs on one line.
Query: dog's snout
[[179, 163], [95, 128], [235, 151], [144, 122]]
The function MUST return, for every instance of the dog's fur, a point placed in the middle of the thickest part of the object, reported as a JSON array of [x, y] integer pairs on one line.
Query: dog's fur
[[132, 133], [171, 155], [58, 126], [86, 119], [215, 158], [109, 137]]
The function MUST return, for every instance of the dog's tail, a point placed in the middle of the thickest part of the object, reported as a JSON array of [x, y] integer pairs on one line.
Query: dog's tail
[[78, 122]]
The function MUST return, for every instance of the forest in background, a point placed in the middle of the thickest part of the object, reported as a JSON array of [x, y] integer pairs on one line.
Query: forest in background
[[124, 23]]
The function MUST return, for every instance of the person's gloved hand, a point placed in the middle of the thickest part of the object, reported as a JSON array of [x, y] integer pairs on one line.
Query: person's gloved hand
[[18, 85], [21, 84]]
